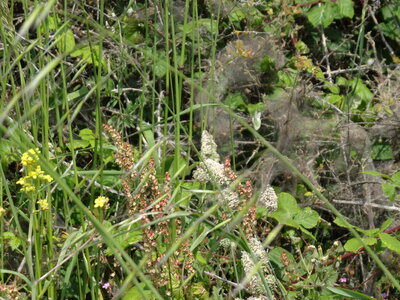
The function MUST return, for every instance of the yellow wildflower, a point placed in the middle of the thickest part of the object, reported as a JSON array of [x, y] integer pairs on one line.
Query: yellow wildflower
[[44, 204], [30, 157], [22, 181], [47, 178], [26, 186], [37, 173], [2, 211], [101, 201]]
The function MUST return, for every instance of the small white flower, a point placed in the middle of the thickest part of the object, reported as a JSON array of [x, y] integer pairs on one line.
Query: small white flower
[[253, 279], [228, 197], [268, 199], [209, 147], [259, 251], [211, 171]]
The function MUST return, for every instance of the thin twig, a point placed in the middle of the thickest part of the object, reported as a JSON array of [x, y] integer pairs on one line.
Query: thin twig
[[236, 285]]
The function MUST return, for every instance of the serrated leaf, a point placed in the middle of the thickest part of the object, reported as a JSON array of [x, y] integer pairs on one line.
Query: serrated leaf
[[321, 14], [390, 242], [346, 8]]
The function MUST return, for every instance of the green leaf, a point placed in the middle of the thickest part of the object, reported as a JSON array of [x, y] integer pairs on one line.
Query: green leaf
[[334, 99], [210, 25], [287, 202], [76, 144], [395, 179], [389, 190], [346, 8], [12, 240], [382, 151], [267, 64], [370, 232], [307, 234], [135, 294], [200, 258], [361, 90], [236, 15], [391, 242], [78, 94], [321, 14], [307, 217], [255, 107], [236, 101], [340, 222], [348, 293], [66, 41], [287, 209], [353, 245], [386, 224], [88, 135], [333, 88], [391, 17]]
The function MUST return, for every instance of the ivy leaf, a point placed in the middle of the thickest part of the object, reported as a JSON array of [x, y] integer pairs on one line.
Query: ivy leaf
[[391, 242]]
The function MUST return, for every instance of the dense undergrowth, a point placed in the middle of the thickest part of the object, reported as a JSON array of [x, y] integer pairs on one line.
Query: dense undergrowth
[[199, 149]]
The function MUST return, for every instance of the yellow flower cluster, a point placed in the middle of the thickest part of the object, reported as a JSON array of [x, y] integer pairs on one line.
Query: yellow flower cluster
[[30, 157], [101, 201], [44, 204], [35, 174]]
